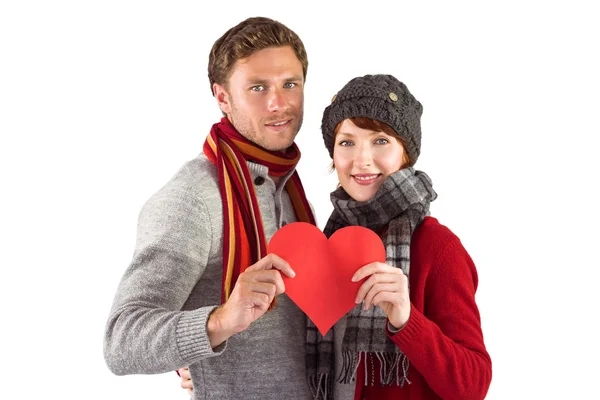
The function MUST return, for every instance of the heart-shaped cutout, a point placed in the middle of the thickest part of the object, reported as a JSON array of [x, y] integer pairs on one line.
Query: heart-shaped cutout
[[322, 287]]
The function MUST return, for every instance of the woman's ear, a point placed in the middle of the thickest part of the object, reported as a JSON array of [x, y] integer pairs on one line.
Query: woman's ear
[[331, 167]]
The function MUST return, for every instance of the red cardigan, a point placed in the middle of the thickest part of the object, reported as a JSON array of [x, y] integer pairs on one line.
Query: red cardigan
[[442, 338]]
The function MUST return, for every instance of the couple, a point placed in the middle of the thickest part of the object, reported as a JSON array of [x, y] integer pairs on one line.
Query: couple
[[202, 296]]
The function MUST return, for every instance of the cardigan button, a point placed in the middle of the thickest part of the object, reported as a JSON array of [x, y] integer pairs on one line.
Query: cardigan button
[[259, 180]]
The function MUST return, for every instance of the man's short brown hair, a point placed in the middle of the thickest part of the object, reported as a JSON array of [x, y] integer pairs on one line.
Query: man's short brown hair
[[249, 36]]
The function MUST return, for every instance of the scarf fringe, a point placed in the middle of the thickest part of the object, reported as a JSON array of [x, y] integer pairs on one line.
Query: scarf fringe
[[320, 386], [393, 368], [349, 366]]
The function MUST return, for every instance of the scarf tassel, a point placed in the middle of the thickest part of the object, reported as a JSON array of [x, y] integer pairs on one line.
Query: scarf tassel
[[320, 386], [393, 368], [350, 363]]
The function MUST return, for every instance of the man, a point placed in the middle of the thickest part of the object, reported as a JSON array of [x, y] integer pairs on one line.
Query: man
[[187, 299]]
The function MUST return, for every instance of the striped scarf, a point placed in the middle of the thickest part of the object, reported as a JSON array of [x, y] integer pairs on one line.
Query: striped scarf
[[397, 208], [244, 235]]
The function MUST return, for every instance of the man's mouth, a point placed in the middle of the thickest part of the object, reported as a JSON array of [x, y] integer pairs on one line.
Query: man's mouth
[[279, 126], [280, 123]]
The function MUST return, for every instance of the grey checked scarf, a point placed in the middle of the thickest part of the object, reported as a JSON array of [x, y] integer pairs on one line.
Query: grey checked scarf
[[400, 206]]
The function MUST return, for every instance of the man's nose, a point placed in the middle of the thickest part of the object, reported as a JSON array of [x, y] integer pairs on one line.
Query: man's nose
[[277, 100]]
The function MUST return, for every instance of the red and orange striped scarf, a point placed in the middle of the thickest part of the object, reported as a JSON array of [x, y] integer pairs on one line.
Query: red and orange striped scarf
[[244, 241]]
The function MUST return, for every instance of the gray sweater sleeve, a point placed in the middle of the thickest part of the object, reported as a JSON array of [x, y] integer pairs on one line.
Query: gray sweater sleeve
[[146, 332]]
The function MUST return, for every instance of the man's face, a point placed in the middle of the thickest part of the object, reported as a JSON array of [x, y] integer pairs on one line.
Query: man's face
[[264, 97]]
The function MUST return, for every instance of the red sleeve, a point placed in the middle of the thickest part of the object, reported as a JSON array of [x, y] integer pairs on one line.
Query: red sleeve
[[445, 343]]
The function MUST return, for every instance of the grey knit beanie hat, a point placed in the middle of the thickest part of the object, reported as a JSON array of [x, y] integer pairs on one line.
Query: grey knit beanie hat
[[380, 97]]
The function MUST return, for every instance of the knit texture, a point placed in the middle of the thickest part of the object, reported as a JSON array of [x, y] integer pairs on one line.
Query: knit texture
[[380, 97], [442, 338], [399, 205], [158, 320]]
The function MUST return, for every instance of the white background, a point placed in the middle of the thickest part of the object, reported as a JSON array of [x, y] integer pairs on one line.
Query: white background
[[101, 103]]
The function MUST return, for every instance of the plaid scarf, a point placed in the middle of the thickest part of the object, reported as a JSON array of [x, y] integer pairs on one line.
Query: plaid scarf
[[244, 236], [397, 208]]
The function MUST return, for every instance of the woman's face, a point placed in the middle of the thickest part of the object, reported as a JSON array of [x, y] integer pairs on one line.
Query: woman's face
[[364, 158]]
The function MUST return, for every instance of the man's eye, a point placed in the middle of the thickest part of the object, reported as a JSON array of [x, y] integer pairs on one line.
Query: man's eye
[[289, 85], [258, 88]]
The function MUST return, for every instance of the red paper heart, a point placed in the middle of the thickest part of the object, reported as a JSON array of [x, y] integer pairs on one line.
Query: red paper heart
[[322, 287]]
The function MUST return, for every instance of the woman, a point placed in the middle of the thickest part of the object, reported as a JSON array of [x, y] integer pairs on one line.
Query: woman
[[416, 332]]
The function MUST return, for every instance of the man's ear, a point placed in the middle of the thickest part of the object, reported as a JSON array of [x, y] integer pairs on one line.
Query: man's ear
[[222, 96]]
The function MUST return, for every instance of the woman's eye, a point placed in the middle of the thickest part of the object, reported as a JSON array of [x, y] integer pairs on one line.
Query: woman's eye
[[382, 141]]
